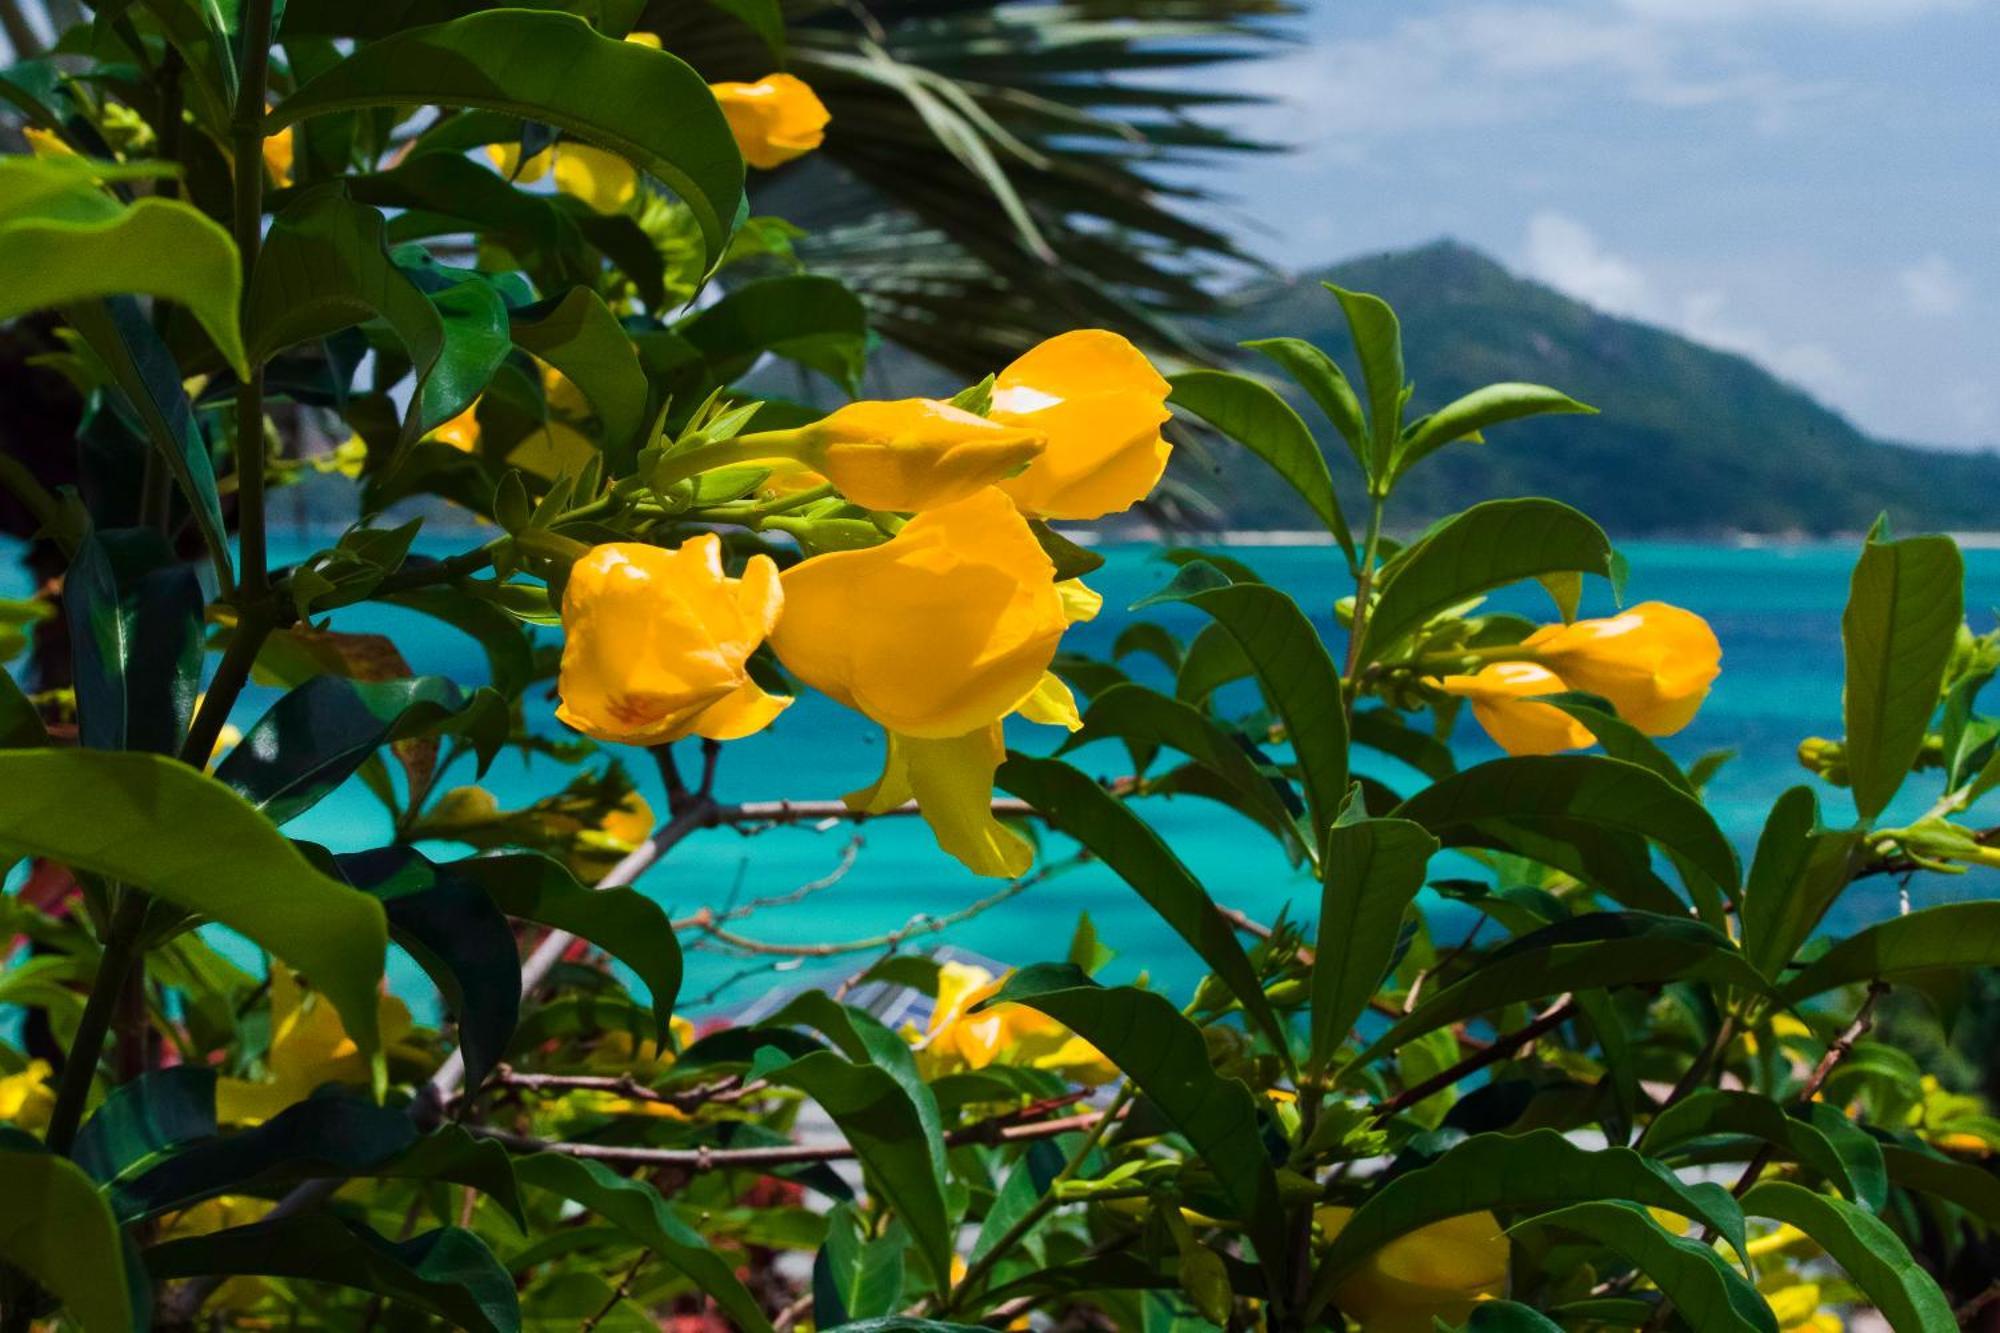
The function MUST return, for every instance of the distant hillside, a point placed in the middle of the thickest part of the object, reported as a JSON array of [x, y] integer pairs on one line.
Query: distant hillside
[[1690, 441]]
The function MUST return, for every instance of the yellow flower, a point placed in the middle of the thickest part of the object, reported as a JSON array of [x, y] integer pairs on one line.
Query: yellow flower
[[1013, 1034], [774, 119], [462, 431], [913, 453], [657, 642], [599, 177], [937, 634], [278, 156], [26, 1098], [1499, 695], [1655, 662], [309, 1048], [46, 143], [1101, 404], [1436, 1272]]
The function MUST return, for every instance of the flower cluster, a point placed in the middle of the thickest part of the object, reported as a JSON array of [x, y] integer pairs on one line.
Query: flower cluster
[[938, 633]]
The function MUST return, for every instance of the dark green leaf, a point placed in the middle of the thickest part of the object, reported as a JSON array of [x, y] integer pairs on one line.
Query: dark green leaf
[[135, 616], [1318, 374], [145, 1118], [580, 337], [636, 1208], [1715, 1111], [1378, 342], [1706, 1291], [57, 1230], [20, 722], [1873, 1255], [1931, 939], [146, 820], [1970, 1187], [1109, 828], [864, 1040], [1508, 1317], [1370, 874], [1487, 546], [1252, 414], [1214, 659], [448, 1272], [814, 321], [1466, 417], [510, 659], [1904, 609], [855, 1277], [552, 69]]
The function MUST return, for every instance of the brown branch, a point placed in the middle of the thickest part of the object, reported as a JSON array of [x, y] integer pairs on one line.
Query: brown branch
[[1840, 1048], [722, 1090], [1503, 1046]]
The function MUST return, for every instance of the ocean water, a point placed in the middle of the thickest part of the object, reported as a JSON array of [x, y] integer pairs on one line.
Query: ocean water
[[1776, 610]]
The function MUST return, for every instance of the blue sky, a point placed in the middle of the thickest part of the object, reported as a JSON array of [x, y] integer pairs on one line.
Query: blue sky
[[1815, 183]]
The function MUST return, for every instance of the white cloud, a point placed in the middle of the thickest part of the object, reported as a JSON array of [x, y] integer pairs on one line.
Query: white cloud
[[1564, 253], [1823, 11], [1931, 286]]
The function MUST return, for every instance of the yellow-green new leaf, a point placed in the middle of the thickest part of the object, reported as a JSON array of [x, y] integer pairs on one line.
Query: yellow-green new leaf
[[58, 1230]]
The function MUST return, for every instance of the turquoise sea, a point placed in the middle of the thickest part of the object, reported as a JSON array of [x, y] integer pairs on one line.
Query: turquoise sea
[[1776, 610]]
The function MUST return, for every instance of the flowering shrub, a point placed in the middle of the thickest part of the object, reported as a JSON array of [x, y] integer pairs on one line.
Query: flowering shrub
[[1646, 1096]]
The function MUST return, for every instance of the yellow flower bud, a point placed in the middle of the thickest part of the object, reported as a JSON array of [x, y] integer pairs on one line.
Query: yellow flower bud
[[1014, 1034], [46, 143], [599, 177], [657, 642], [937, 633], [1436, 1272], [1655, 662], [462, 431], [1101, 404], [913, 454], [26, 1098], [774, 119], [1499, 695], [278, 156]]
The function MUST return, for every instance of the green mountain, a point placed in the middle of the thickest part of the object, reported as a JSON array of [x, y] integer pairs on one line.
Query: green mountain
[[1690, 440]]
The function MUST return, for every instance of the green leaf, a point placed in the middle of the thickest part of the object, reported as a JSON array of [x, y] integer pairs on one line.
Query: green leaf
[[448, 1272], [1904, 608], [877, 1116], [1485, 547], [1798, 871], [1508, 1317], [1873, 1255], [580, 337], [20, 722], [1378, 342], [316, 735], [865, 1040], [1134, 712], [1924, 1171], [57, 1230], [1532, 791], [1369, 874], [1293, 666], [1318, 374], [451, 926], [623, 922], [326, 266], [636, 1208], [1117, 836], [1466, 417], [814, 321], [1166, 1057], [1214, 659], [1252, 414], [510, 658], [64, 240], [855, 1277], [1594, 952], [135, 615], [1716, 1111], [552, 69], [1954, 936], [146, 820], [1537, 1170], [764, 17], [1704, 1289], [141, 1120]]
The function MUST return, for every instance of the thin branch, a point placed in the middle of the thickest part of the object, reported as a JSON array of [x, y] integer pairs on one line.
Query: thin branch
[[1503, 1046], [1840, 1048], [618, 1294], [722, 1090]]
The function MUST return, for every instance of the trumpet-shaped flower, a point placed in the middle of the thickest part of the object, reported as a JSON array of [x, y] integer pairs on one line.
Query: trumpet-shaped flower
[[599, 177], [1101, 404], [1436, 1272], [1655, 662], [1500, 694], [278, 149], [1011, 1034], [309, 1049], [914, 454], [657, 643], [774, 120], [26, 1098]]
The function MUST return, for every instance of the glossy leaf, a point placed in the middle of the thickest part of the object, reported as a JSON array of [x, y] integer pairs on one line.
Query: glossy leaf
[[135, 617], [865, 1040], [1321, 377], [1167, 1059], [1292, 664], [623, 922], [1954, 936], [1116, 835], [142, 1120], [1378, 342], [1717, 1111], [636, 1208], [1214, 659], [1508, 1317], [58, 1231], [1704, 1289], [1135, 713], [1370, 874], [1904, 608], [1797, 873], [812, 320], [1963, 1184], [1537, 1170], [854, 1276], [1487, 546], [1872, 1254], [876, 1115], [552, 69], [1252, 414], [510, 659], [1593, 952], [448, 1272], [580, 337], [1589, 790], [147, 820], [1465, 418]]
